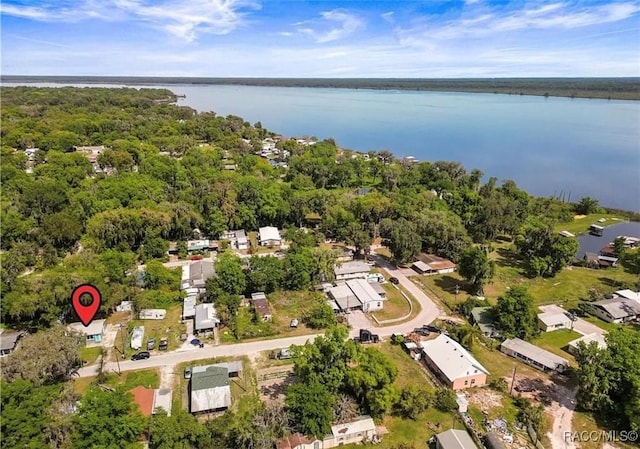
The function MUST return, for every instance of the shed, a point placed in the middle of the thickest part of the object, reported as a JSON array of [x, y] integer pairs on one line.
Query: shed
[[8, 341], [455, 439]]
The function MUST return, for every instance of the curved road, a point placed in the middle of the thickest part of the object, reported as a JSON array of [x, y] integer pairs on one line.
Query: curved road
[[428, 313]]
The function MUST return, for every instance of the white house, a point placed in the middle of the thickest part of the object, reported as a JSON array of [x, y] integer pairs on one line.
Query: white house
[[587, 340], [357, 431], [616, 310], [352, 270], [269, 236], [453, 364], [551, 321], [533, 355], [93, 333], [152, 314], [206, 318], [366, 294], [238, 239], [209, 389]]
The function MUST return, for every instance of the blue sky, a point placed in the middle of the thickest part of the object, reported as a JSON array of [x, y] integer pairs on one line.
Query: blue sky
[[349, 38]]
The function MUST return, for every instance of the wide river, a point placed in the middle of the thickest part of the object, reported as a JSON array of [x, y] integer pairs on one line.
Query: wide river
[[549, 146]]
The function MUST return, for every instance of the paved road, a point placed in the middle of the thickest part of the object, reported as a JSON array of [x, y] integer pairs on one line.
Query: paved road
[[581, 326], [428, 313]]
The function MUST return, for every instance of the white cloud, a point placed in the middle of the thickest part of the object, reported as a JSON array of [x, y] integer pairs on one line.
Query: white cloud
[[482, 21], [347, 24], [184, 19], [388, 16]]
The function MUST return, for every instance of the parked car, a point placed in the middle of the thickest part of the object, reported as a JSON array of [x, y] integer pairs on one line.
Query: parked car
[[284, 354], [196, 342], [394, 280], [141, 355], [422, 331], [432, 328], [164, 344], [196, 257], [151, 344], [294, 323], [187, 373]]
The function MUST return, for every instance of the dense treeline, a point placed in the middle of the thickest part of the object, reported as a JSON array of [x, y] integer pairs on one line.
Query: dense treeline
[[608, 88], [162, 175]]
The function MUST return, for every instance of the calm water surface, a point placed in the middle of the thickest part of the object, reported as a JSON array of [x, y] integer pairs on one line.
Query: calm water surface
[[574, 147], [592, 244]]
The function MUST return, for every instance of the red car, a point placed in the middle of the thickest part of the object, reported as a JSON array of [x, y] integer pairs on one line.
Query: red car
[[196, 257]]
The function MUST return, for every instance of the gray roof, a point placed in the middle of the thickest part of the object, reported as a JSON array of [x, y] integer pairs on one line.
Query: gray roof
[[554, 318], [456, 439], [8, 340], [452, 359], [162, 399], [377, 286], [352, 268], [200, 271], [363, 290], [96, 327], [344, 297], [189, 307], [206, 317], [532, 352], [588, 339], [618, 307]]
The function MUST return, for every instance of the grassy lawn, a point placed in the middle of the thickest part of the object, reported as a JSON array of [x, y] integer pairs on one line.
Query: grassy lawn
[[288, 305], [149, 378], [169, 327], [555, 341], [501, 365], [442, 288], [584, 422], [409, 371], [609, 327], [581, 225], [396, 305], [384, 251], [91, 354]]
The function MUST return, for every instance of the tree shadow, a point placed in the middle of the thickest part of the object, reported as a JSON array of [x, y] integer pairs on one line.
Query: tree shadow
[[509, 258], [612, 282], [448, 284]]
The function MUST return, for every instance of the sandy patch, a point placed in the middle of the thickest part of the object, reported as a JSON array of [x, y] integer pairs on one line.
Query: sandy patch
[[578, 217]]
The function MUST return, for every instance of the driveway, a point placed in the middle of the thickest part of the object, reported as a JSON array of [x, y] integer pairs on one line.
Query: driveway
[[581, 326]]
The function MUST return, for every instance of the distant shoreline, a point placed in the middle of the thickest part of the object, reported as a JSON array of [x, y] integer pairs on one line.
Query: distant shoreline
[[589, 88]]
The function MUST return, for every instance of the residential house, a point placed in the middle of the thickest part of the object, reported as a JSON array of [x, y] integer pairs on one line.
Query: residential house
[[369, 299], [197, 274], [201, 245], [432, 264], [150, 400], [152, 314], [237, 239], [352, 270], [189, 307], [269, 236], [209, 389], [93, 333], [551, 321], [137, 337], [534, 356], [453, 364], [298, 441], [616, 310], [483, 318], [629, 294], [91, 152], [261, 306], [599, 339], [357, 431], [206, 318], [9, 341], [455, 439]]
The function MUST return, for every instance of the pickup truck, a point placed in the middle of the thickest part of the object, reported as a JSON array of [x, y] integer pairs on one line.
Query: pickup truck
[[366, 337]]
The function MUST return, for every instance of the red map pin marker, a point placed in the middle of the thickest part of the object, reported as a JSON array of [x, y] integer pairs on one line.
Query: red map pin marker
[[87, 312]]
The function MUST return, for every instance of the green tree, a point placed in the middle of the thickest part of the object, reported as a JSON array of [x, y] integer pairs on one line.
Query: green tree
[[123, 429], [44, 357], [311, 407], [369, 381], [117, 264], [588, 205], [476, 268], [265, 274], [412, 401], [401, 237], [158, 276], [544, 251], [515, 314], [445, 399], [229, 278], [322, 316], [631, 261], [180, 431]]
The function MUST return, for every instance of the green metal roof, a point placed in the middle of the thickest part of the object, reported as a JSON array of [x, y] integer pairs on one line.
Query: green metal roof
[[212, 377]]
